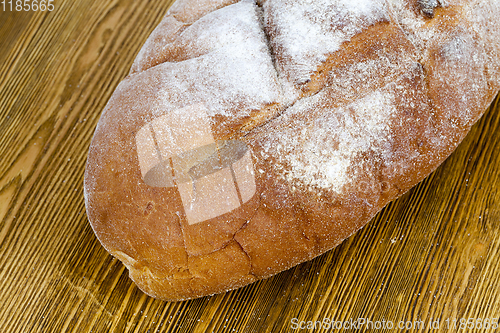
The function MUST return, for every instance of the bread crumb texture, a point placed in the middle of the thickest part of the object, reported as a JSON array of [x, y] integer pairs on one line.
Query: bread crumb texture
[[251, 136]]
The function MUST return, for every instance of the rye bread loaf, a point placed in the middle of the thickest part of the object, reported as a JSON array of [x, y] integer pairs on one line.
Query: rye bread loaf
[[252, 136]]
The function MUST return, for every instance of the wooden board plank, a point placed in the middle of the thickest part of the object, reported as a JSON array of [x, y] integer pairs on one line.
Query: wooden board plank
[[431, 255]]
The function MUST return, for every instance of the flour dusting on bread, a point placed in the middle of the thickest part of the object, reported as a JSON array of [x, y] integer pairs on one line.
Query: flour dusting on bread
[[350, 130], [309, 31]]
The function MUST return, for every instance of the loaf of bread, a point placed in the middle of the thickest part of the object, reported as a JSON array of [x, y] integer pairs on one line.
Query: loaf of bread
[[251, 136]]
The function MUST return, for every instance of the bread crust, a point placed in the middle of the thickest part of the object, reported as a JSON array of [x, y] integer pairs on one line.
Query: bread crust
[[235, 150]]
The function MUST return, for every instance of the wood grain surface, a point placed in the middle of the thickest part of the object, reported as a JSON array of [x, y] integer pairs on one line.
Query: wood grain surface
[[433, 255]]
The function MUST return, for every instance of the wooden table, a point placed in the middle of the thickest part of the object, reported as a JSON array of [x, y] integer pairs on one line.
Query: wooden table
[[433, 255]]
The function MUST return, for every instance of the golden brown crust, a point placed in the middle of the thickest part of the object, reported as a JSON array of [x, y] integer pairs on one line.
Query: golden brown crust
[[227, 155]]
